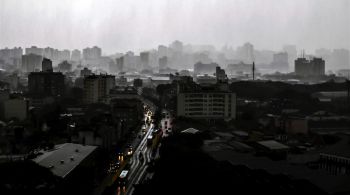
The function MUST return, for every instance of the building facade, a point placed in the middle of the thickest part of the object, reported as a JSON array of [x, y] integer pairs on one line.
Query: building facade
[[313, 67], [97, 87], [206, 103]]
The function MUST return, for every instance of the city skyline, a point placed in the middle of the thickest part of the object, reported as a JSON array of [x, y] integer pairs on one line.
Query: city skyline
[[121, 26]]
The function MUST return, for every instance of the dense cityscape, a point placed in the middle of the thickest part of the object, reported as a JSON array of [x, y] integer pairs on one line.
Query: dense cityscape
[[179, 118]]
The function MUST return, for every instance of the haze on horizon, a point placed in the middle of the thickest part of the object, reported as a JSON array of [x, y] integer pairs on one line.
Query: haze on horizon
[[119, 26]]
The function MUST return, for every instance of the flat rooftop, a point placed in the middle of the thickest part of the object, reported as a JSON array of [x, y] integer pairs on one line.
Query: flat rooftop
[[64, 158], [273, 145]]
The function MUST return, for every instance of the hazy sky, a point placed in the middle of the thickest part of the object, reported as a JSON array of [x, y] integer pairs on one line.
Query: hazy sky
[[118, 26]]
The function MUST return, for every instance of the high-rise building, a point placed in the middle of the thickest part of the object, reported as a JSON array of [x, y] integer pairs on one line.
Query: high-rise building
[[120, 64], [292, 54], [245, 53], [31, 62], [313, 67], [162, 51], [35, 50], [163, 62], [280, 62], [11, 56], [76, 55], [46, 65], [92, 53], [97, 87], [220, 75], [177, 46], [145, 60]]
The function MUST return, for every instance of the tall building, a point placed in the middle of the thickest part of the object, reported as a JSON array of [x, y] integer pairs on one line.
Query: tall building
[[162, 51], [313, 67], [120, 64], [177, 46], [46, 65], [245, 53], [31, 62], [76, 55], [92, 53], [280, 62], [292, 54], [35, 50], [201, 68], [163, 62], [145, 60], [220, 75], [12, 56], [97, 87], [214, 102]]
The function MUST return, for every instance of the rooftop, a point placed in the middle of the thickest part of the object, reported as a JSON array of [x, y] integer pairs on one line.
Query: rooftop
[[64, 158], [190, 130], [273, 145]]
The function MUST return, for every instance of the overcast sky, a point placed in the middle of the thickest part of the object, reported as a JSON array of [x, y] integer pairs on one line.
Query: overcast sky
[[118, 26]]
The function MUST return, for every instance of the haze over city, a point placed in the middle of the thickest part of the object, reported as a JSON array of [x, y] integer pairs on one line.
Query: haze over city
[[119, 26], [162, 97]]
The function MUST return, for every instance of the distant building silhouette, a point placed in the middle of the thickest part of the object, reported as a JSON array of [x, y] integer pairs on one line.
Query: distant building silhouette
[[220, 75], [31, 62], [201, 68], [163, 62], [313, 67], [92, 53], [280, 62], [145, 60], [64, 66], [76, 55], [47, 65]]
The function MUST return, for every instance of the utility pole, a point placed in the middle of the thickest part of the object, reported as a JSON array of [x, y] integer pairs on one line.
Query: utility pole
[[253, 70]]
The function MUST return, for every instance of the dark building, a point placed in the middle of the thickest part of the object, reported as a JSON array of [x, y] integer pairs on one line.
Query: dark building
[[85, 72], [64, 66], [313, 67], [46, 65], [42, 84], [137, 82]]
